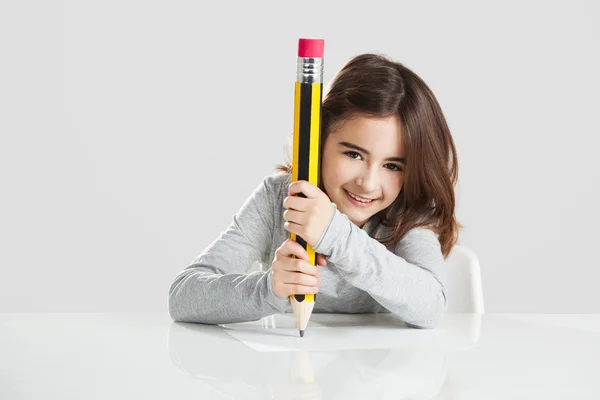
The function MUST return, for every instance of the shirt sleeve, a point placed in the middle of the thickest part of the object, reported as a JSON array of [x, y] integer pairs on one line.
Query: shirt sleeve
[[409, 282], [215, 287]]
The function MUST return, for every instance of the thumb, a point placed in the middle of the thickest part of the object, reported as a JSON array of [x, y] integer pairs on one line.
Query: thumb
[[321, 260]]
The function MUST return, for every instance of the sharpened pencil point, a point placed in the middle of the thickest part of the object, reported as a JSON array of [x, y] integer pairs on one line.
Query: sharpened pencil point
[[301, 333]]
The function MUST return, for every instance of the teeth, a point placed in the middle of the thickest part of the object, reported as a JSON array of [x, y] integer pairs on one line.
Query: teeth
[[358, 198]]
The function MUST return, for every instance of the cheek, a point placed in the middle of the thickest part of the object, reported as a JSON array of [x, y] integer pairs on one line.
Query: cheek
[[393, 187], [331, 180], [335, 173], [399, 183]]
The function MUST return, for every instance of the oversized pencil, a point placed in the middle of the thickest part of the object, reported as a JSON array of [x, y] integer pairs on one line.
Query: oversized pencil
[[307, 135]]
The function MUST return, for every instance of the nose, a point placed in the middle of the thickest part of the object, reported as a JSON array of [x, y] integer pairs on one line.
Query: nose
[[368, 180]]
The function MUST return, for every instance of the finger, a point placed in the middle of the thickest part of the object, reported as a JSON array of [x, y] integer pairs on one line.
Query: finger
[[284, 290], [292, 248], [302, 266], [296, 217], [308, 189], [298, 278], [294, 228], [296, 203], [301, 289], [321, 260]]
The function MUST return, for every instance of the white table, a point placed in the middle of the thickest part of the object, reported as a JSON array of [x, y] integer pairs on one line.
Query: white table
[[130, 356]]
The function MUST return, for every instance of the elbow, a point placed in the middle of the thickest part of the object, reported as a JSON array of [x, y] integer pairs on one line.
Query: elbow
[[431, 316], [174, 311], [172, 305], [177, 309], [185, 302]]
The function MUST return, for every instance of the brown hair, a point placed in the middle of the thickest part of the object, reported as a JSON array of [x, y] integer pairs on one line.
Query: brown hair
[[375, 86]]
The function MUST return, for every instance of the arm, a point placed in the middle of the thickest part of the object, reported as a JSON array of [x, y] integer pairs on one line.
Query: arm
[[408, 282], [214, 288]]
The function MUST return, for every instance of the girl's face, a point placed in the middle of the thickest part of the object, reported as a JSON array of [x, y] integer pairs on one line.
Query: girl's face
[[364, 157]]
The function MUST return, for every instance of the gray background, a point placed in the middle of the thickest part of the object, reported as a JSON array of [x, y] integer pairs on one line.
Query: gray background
[[132, 131]]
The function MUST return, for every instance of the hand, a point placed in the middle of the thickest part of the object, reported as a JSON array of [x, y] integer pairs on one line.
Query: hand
[[307, 217], [295, 275]]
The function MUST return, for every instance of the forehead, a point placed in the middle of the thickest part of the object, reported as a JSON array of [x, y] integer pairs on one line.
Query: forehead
[[381, 136]]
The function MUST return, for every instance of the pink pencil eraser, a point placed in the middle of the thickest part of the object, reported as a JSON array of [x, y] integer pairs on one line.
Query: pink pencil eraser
[[311, 48]]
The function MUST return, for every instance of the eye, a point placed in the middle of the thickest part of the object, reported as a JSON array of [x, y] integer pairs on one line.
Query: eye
[[397, 168], [350, 153]]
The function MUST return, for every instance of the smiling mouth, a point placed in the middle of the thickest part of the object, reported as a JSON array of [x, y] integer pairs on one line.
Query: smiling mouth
[[361, 200]]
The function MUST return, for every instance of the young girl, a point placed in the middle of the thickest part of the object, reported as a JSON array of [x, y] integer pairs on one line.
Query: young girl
[[381, 220]]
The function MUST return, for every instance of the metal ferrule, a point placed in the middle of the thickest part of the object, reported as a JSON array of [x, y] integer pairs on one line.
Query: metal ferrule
[[309, 70]]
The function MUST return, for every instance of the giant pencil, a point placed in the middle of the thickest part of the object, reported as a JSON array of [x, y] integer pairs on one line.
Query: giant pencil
[[307, 134]]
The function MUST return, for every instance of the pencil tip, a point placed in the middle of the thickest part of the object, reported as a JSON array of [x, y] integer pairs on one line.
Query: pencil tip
[[301, 333]]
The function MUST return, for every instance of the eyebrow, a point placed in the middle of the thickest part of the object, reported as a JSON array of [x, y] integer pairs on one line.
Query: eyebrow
[[355, 147]]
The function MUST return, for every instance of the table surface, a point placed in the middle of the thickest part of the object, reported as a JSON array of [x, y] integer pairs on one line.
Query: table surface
[[369, 356]]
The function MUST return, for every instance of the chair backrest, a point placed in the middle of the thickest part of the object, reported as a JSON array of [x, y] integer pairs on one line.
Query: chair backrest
[[463, 280]]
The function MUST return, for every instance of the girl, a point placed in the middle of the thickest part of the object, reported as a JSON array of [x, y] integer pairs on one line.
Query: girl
[[381, 219]]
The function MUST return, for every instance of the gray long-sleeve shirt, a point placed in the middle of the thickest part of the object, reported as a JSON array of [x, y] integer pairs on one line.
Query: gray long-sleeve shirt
[[361, 276]]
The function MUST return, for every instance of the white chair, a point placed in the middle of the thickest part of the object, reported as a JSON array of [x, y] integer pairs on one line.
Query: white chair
[[463, 280]]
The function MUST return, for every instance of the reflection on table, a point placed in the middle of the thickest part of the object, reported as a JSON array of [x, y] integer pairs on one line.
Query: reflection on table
[[232, 368]]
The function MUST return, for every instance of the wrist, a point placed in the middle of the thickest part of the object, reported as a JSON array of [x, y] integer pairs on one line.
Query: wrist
[[277, 303], [327, 228]]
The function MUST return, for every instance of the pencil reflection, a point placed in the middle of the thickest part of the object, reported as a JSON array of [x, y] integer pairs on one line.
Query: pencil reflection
[[227, 366]]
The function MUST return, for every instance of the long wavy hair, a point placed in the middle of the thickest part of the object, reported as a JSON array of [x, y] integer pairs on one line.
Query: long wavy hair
[[375, 86]]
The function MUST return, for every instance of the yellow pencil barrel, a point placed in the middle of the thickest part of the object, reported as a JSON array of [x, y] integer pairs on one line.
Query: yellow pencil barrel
[[307, 127]]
